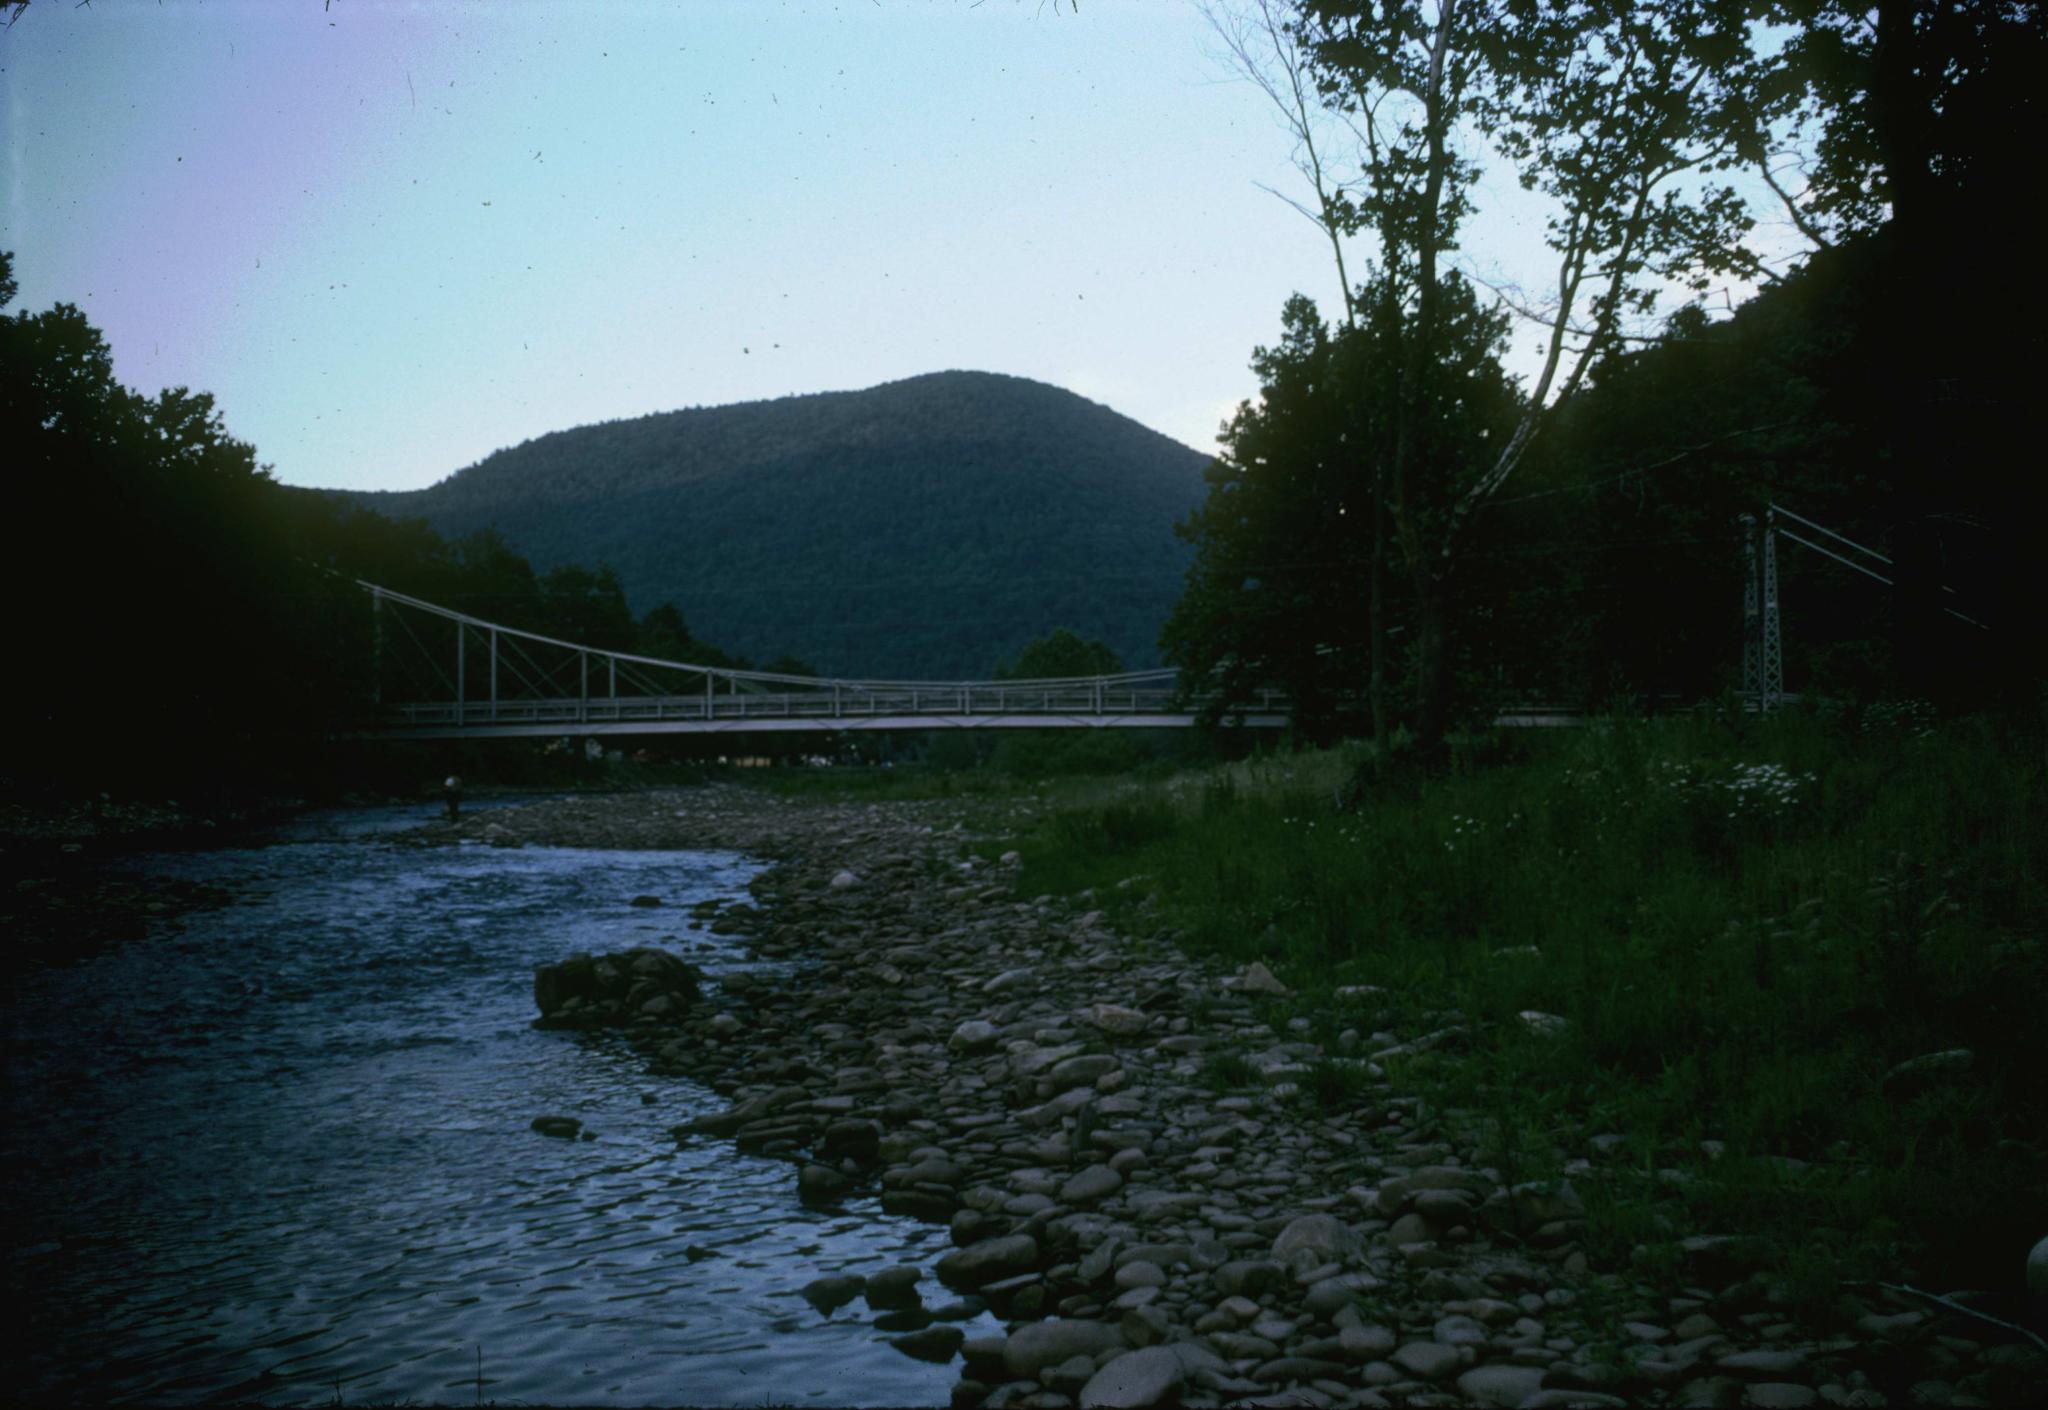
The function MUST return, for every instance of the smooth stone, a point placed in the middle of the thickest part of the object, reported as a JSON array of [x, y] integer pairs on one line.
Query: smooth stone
[[976, 1035], [1094, 1183], [1324, 1236], [1426, 1360], [2037, 1269], [1559, 1399], [1037, 1345], [1365, 1343], [821, 1184], [1762, 1365], [1070, 1375], [1140, 1274], [1145, 1326], [1117, 1020], [1444, 1206], [1411, 1228], [1243, 1346], [834, 1291], [842, 880], [903, 1319], [1928, 1069], [1098, 1261], [1248, 1276], [1255, 978], [1327, 1296], [1006, 981], [1083, 1070], [894, 1287], [1152, 1376], [935, 1344], [1500, 1386], [989, 1261], [1780, 1395]]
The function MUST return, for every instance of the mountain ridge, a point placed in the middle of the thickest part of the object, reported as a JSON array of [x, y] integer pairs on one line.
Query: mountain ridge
[[927, 527]]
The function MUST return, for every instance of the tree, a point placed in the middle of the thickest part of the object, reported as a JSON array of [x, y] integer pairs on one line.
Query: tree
[[588, 608], [664, 635], [1285, 543], [1623, 115], [1061, 655]]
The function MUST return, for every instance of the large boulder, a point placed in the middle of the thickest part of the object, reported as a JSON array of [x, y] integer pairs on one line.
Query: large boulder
[[1037, 1345], [638, 985]]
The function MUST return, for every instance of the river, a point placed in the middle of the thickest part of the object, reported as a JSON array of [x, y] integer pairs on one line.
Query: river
[[283, 1153]]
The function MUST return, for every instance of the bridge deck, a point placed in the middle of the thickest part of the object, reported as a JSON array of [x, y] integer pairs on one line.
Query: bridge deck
[[821, 711]]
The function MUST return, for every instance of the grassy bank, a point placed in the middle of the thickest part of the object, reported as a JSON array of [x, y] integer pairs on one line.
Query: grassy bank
[[1730, 936]]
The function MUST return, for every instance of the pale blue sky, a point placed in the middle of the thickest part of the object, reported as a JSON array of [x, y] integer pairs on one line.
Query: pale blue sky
[[393, 237]]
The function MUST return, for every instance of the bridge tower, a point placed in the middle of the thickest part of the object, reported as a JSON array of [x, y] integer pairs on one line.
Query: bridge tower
[[1763, 652]]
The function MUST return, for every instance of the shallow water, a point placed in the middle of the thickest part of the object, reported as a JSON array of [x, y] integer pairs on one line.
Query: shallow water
[[284, 1154]]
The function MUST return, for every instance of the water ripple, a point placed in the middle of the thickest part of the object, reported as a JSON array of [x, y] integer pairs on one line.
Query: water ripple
[[285, 1153]]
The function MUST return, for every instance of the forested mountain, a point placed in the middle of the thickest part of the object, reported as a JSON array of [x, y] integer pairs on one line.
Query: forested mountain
[[923, 528]]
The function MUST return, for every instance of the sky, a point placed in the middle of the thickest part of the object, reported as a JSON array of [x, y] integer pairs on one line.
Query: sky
[[393, 237]]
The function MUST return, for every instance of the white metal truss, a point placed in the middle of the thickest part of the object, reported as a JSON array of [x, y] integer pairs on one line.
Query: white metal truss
[[680, 697]]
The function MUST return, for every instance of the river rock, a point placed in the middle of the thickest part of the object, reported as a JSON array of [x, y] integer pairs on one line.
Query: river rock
[[935, 1344], [1094, 1183], [895, 1287], [989, 1261], [852, 1138], [585, 991], [1397, 1194], [2037, 1269], [1081, 1071], [1928, 1070], [1249, 1276], [976, 1035], [1037, 1345], [1152, 1376], [1118, 1021], [1426, 1360], [1501, 1386], [834, 1291], [1323, 1238], [1138, 1273], [821, 1184], [1762, 1365], [1365, 1343], [1255, 978]]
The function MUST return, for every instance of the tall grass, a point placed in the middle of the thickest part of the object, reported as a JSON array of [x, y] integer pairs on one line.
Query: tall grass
[[1746, 927]]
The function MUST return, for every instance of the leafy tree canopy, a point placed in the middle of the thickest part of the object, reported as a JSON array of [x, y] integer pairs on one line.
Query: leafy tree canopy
[[1062, 654]]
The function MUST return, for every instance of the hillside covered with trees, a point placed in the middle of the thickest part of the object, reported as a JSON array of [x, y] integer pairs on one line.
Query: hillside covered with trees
[[924, 528], [198, 627]]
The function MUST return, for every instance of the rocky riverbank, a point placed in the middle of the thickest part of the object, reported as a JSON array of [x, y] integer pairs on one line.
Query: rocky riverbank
[[1136, 1182]]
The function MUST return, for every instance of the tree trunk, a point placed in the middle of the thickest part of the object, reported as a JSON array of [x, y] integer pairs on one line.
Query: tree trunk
[[1432, 664], [1377, 623]]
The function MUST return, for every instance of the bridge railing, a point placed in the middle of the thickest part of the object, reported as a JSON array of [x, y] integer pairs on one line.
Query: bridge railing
[[824, 704]]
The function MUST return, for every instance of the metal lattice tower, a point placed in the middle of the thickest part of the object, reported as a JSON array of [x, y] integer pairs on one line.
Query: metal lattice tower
[[1763, 652]]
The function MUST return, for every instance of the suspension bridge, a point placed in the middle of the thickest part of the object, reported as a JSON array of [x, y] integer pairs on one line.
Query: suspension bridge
[[475, 678], [488, 680]]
